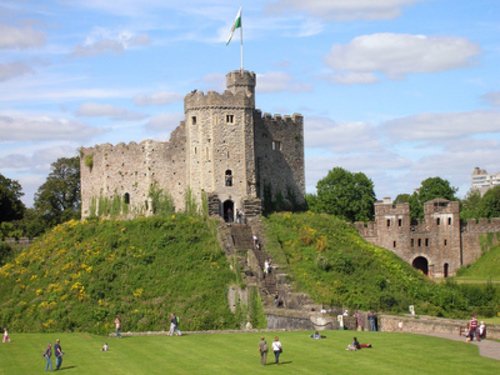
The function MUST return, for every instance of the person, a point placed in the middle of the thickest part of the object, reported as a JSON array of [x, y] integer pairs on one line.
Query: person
[[355, 345], [255, 241], [372, 319], [267, 267], [482, 330], [277, 349], [316, 335], [118, 326], [473, 324], [6, 337], [238, 216], [47, 354], [174, 326], [105, 347], [263, 350], [277, 300], [59, 354]]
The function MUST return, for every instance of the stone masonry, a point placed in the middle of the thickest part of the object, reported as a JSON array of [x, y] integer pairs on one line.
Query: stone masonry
[[439, 245], [225, 149]]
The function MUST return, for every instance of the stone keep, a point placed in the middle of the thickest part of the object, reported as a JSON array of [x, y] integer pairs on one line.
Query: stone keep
[[225, 149]]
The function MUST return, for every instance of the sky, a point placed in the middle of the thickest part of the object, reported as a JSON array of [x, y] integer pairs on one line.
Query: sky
[[400, 90]]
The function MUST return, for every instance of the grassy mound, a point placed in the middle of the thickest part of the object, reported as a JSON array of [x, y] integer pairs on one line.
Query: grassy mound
[[485, 268], [79, 275], [328, 259]]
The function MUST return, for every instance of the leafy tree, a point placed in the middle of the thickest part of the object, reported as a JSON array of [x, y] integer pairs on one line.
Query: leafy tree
[[490, 203], [470, 205], [11, 206], [58, 199], [402, 198], [345, 194], [430, 188]]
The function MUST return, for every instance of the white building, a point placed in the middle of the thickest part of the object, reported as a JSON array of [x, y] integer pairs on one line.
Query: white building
[[483, 181]]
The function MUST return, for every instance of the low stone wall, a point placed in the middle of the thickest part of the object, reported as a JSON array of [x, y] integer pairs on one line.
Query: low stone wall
[[425, 324]]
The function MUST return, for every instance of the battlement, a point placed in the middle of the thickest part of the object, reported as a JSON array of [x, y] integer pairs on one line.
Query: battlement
[[277, 119]]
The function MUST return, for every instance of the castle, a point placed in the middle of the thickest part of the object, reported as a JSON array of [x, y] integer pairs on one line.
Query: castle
[[225, 155], [439, 245]]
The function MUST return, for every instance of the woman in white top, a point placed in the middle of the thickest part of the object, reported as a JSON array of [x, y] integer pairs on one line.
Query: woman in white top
[[277, 349]]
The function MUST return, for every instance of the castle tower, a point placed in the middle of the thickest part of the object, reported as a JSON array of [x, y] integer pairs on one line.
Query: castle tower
[[220, 159]]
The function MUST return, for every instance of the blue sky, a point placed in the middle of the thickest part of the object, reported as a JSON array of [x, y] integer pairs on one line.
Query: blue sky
[[400, 90]]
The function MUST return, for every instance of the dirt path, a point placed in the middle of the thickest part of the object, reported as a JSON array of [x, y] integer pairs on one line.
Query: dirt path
[[487, 348]]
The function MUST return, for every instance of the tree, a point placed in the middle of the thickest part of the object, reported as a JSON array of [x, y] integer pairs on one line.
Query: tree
[[11, 206], [345, 194], [402, 198], [470, 205], [430, 188], [490, 203], [58, 199]]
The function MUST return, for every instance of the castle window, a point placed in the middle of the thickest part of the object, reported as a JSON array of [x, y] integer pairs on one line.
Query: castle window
[[230, 119], [388, 223], [400, 222], [394, 244], [419, 242], [449, 221], [229, 178], [438, 221], [445, 242], [276, 145], [412, 242], [426, 242], [126, 198], [193, 120]]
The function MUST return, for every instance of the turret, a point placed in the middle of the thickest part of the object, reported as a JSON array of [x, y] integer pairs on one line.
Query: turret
[[241, 81]]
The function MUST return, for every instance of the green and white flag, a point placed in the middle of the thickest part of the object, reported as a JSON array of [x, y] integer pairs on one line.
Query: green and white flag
[[236, 25]]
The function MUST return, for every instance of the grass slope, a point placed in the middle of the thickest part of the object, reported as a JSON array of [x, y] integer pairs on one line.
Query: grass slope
[[484, 269], [393, 353], [78, 276], [327, 258]]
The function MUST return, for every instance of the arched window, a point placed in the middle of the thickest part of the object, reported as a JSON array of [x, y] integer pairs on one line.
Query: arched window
[[229, 178], [126, 198]]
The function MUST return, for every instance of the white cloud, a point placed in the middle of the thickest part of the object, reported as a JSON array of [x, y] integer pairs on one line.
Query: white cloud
[[344, 9], [492, 98], [279, 81], [20, 37], [157, 98], [108, 110], [396, 55], [324, 133], [443, 126], [12, 70], [42, 128], [102, 41], [164, 122]]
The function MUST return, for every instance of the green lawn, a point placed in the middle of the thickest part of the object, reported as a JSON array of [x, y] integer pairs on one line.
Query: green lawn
[[219, 354]]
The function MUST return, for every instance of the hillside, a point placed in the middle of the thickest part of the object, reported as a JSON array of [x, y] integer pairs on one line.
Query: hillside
[[79, 275], [485, 268], [327, 259]]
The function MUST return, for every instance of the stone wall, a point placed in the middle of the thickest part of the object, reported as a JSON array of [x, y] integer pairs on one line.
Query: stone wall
[[389, 323], [279, 148]]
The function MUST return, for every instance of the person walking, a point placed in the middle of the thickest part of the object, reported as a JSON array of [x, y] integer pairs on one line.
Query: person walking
[[263, 350], [118, 326], [59, 354], [174, 326], [47, 354], [6, 337], [277, 349]]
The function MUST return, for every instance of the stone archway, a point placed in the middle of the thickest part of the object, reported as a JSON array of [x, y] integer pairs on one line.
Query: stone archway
[[421, 263], [228, 211]]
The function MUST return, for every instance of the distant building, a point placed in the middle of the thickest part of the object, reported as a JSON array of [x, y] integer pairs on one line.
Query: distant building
[[482, 181], [226, 155]]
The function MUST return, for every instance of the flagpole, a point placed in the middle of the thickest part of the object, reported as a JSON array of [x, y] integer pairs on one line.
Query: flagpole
[[241, 47]]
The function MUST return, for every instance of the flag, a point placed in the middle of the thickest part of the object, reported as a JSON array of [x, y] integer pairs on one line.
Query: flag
[[236, 25]]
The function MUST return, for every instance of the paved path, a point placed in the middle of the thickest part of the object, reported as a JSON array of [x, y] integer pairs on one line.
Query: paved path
[[487, 348]]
